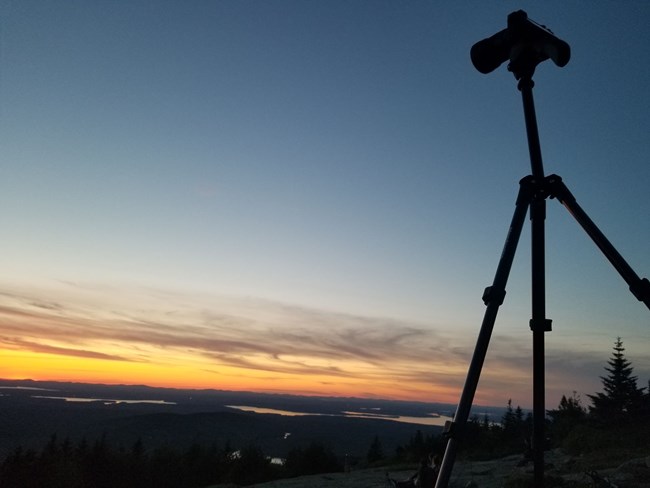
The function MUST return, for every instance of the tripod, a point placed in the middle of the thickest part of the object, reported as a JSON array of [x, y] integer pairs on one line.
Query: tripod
[[526, 44]]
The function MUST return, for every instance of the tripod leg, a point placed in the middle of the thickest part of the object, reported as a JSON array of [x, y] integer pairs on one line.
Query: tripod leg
[[493, 298], [539, 324], [640, 288]]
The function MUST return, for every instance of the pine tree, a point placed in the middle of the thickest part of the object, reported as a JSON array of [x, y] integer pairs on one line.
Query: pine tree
[[570, 408], [568, 415], [621, 398], [375, 452], [509, 420]]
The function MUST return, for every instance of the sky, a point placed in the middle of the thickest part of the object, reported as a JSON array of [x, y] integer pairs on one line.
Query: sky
[[310, 197]]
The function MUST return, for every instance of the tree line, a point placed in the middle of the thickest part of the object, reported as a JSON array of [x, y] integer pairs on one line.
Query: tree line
[[101, 464], [618, 419]]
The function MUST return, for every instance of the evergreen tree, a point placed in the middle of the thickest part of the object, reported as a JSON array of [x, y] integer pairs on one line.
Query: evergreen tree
[[516, 428], [566, 416], [251, 467], [313, 459], [570, 408], [417, 448], [510, 420], [621, 398], [375, 453]]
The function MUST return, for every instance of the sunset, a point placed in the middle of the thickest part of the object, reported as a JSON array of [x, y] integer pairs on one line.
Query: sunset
[[233, 344], [310, 197]]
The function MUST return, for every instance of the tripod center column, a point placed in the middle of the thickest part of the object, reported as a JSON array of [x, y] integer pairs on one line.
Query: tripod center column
[[537, 167]]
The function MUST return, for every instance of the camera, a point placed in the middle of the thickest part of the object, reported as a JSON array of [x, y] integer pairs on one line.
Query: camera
[[524, 42]]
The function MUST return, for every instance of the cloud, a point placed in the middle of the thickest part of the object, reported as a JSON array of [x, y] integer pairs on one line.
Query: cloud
[[47, 305], [12, 343], [250, 334], [265, 339]]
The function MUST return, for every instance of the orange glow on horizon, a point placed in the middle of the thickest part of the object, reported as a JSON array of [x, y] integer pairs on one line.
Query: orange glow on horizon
[[237, 345], [51, 367]]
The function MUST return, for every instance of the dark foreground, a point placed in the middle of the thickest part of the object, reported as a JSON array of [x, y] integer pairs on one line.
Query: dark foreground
[[509, 472]]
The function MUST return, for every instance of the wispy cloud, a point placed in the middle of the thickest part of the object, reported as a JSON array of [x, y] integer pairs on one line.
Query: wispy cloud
[[18, 344], [272, 340]]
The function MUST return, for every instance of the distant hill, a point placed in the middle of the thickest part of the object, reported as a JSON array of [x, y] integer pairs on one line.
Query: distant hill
[[197, 416], [274, 434], [188, 400]]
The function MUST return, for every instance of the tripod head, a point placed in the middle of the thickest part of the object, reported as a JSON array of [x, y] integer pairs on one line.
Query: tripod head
[[525, 43]]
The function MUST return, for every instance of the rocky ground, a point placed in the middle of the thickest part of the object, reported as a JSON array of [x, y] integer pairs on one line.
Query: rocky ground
[[562, 470]]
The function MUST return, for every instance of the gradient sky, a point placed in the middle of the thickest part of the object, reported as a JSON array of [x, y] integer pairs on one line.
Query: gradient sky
[[311, 196]]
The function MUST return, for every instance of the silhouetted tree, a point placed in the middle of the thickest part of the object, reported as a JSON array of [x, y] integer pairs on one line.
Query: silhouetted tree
[[250, 466], [313, 459], [375, 452], [18, 469], [566, 416], [516, 430], [621, 399], [417, 447], [508, 420]]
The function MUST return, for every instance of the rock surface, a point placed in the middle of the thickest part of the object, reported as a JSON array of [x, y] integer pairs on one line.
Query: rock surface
[[485, 474]]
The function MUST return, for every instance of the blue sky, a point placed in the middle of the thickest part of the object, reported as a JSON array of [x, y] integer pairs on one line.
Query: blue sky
[[327, 159]]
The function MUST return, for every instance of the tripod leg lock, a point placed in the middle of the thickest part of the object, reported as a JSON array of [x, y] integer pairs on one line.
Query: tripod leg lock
[[543, 325], [641, 290], [450, 429], [557, 189], [492, 294]]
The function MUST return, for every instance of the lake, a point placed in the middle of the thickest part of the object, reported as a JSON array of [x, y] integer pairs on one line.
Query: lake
[[432, 419], [105, 401]]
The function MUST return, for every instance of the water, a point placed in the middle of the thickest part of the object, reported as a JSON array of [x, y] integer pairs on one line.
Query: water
[[433, 419], [105, 401], [32, 388]]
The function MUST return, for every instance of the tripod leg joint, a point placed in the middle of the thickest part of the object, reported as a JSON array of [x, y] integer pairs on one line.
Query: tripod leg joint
[[493, 294], [641, 290], [542, 325], [557, 189], [450, 429]]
